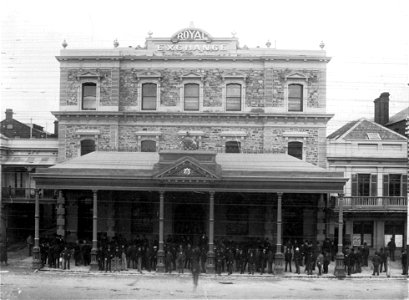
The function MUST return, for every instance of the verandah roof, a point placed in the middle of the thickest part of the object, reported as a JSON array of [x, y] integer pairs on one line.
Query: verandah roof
[[237, 172]]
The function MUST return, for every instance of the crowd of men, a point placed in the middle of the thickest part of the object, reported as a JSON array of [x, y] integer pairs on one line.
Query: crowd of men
[[181, 253]]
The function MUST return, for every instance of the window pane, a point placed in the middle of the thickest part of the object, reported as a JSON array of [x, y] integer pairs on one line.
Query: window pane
[[192, 90], [233, 90], [363, 184], [191, 97], [149, 96], [148, 146], [394, 184], [149, 89], [233, 147], [294, 91], [233, 104], [295, 97], [87, 146], [295, 149], [89, 93], [233, 97]]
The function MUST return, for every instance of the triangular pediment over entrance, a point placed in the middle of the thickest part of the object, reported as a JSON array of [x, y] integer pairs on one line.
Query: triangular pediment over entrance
[[186, 168]]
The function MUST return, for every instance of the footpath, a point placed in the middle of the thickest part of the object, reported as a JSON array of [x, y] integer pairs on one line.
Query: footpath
[[18, 259]]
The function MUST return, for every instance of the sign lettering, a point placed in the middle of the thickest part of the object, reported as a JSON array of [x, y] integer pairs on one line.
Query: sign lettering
[[191, 35], [190, 47]]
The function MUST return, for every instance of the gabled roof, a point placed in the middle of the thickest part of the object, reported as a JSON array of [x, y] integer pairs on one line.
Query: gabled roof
[[400, 116], [364, 129], [341, 131]]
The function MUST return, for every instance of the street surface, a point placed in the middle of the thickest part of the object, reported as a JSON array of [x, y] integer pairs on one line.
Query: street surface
[[26, 284]]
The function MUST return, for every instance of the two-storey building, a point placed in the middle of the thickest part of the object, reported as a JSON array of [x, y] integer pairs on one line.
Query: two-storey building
[[192, 134], [374, 157]]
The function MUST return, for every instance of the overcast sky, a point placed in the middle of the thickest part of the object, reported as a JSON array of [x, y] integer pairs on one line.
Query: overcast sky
[[367, 40]]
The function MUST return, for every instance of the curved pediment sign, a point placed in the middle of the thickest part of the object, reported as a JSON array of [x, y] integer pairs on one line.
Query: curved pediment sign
[[190, 35]]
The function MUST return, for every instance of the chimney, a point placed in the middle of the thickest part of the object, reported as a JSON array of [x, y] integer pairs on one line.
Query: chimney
[[382, 109], [56, 128], [9, 114]]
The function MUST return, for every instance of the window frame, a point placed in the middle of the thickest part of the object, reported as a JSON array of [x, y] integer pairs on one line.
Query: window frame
[[81, 94], [298, 81], [155, 101], [232, 141], [240, 82], [241, 96], [87, 139], [302, 148], [185, 82], [149, 140], [140, 93], [301, 98]]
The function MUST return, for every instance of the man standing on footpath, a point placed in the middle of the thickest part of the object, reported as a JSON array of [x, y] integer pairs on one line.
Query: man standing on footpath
[[30, 243]]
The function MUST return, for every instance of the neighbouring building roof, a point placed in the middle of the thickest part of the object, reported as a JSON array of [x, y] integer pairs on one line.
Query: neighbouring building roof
[[400, 116], [364, 129], [341, 131]]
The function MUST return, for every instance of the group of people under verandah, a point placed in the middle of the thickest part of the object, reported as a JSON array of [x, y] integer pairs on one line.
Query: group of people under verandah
[[256, 255]]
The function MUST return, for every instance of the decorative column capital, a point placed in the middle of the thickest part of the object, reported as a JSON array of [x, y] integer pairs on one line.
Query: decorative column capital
[[280, 194]]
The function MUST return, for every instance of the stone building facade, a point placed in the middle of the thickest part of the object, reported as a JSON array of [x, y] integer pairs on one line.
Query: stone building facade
[[237, 139], [262, 122]]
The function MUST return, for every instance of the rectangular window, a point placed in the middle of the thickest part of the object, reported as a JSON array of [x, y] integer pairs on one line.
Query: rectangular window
[[89, 96], [149, 96], [362, 232], [394, 184], [364, 184], [191, 95], [233, 97], [233, 147], [295, 97]]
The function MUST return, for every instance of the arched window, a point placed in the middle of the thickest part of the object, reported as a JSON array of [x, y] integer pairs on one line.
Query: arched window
[[233, 147], [295, 97], [149, 96], [295, 149], [148, 146], [89, 96], [233, 97], [87, 146], [191, 97]]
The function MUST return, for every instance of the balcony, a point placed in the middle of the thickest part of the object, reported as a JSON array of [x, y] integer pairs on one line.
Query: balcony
[[27, 195], [367, 204]]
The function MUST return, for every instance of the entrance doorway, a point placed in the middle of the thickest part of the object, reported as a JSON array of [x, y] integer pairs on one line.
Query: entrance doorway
[[85, 219], [189, 218]]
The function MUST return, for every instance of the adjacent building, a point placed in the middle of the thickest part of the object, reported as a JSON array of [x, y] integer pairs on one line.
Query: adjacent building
[[374, 158], [24, 148]]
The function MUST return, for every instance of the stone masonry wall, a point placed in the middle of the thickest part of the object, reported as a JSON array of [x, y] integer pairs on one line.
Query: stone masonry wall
[[212, 79], [72, 139], [71, 84]]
